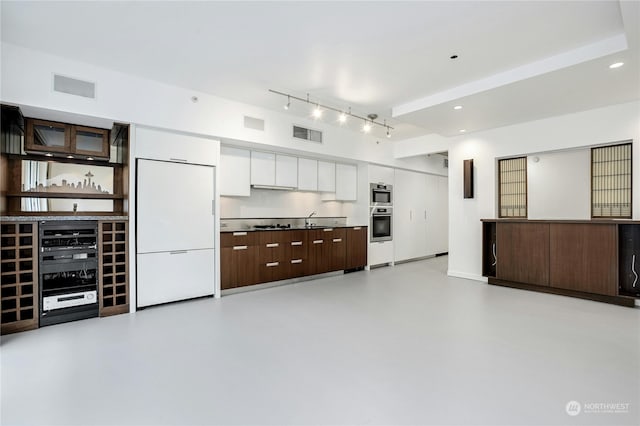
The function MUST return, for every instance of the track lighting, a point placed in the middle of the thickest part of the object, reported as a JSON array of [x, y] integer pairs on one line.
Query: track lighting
[[369, 121]]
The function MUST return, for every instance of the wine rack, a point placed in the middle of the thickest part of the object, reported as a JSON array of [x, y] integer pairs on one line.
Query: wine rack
[[19, 276], [114, 267]]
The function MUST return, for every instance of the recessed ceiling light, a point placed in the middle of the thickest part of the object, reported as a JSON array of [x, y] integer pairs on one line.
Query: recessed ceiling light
[[342, 118], [462, 130], [90, 158], [317, 112], [457, 107], [69, 156], [616, 65], [366, 127], [48, 154]]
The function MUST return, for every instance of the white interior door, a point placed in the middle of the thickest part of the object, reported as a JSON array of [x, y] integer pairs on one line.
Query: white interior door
[[174, 206]]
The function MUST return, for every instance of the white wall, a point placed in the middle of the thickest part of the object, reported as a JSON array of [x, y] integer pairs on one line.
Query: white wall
[[278, 204], [559, 185], [26, 79], [603, 125]]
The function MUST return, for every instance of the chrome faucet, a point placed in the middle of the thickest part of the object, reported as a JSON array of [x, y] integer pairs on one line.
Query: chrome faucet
[[306, 219]]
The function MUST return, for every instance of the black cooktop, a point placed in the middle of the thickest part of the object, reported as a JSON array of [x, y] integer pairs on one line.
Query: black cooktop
[[277, 226]]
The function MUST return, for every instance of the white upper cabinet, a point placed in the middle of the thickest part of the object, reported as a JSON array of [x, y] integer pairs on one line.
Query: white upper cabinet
[[263, 168], [346, 182], [235, 172], [326, 176], [162, 145], [286, 171], [307, 174]]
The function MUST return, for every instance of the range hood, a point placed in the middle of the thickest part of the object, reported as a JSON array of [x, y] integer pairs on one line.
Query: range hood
[[281, 188]]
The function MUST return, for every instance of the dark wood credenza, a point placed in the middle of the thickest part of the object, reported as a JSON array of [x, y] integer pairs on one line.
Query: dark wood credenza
[[596, 260]]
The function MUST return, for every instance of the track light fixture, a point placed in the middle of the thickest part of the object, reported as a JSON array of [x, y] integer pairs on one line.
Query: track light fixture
[[369, 120]]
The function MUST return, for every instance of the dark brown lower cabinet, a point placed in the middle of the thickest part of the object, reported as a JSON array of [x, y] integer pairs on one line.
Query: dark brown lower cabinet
[[338, 242], [272, 252], [522, 250], [357, 243], [583, 257], [238, 266], [298, 253], [19, 294], [113, 267], [319, 252], [248, 258], [588, 259]]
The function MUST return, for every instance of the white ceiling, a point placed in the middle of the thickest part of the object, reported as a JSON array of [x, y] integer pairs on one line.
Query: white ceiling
[[518, 61]]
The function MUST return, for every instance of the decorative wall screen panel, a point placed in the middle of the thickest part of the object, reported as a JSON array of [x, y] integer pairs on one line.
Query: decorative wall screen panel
[[611, 181], [512, 175]]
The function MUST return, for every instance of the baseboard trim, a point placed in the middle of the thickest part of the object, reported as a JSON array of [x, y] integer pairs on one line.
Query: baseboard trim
[[466, 276]]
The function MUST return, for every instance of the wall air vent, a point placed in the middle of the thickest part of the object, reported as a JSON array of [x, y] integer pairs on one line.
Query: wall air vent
[[307, 134], [253, 123], [445, 163], [73, 86]]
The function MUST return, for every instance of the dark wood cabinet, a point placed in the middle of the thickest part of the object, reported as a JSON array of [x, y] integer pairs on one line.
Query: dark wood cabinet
[[522, 250], [19, 295], [357, 243], [113, 267], [588, 259], [238, 259], [319, 251], [254, 257], [272, 252], [298, 253], [628, 260], [338, 242], [51, 137], [583, 257]]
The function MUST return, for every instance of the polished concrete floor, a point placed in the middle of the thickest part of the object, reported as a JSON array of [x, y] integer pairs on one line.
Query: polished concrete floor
[[395, 345]]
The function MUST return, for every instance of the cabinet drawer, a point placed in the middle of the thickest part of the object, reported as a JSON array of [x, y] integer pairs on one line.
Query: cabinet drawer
[[170, 276], [240, 238]]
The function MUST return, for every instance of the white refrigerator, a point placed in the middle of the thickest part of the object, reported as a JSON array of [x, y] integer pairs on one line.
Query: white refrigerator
[[175, 231]]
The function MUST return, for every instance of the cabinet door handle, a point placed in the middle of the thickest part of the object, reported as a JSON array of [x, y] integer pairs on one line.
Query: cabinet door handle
[[296, 243], [269, 265], [328, 229], [337, 240], [239, 247], [493, 251], [296, 261], [410, 214], [425, 215], [182, 160], [178, 252], [357, 228], [239, 234], [633, 269], [273, 245], [318, 241]]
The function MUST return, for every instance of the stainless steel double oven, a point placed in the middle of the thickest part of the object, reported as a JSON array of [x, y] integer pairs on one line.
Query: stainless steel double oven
[[381, 212]]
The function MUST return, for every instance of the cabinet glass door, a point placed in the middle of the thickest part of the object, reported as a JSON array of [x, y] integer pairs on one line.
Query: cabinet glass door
[[92, 142], [46, 136]]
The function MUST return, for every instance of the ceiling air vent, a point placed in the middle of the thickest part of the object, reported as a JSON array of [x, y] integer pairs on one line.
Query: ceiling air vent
[[307, 134], [73, 86], [253, 123]]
